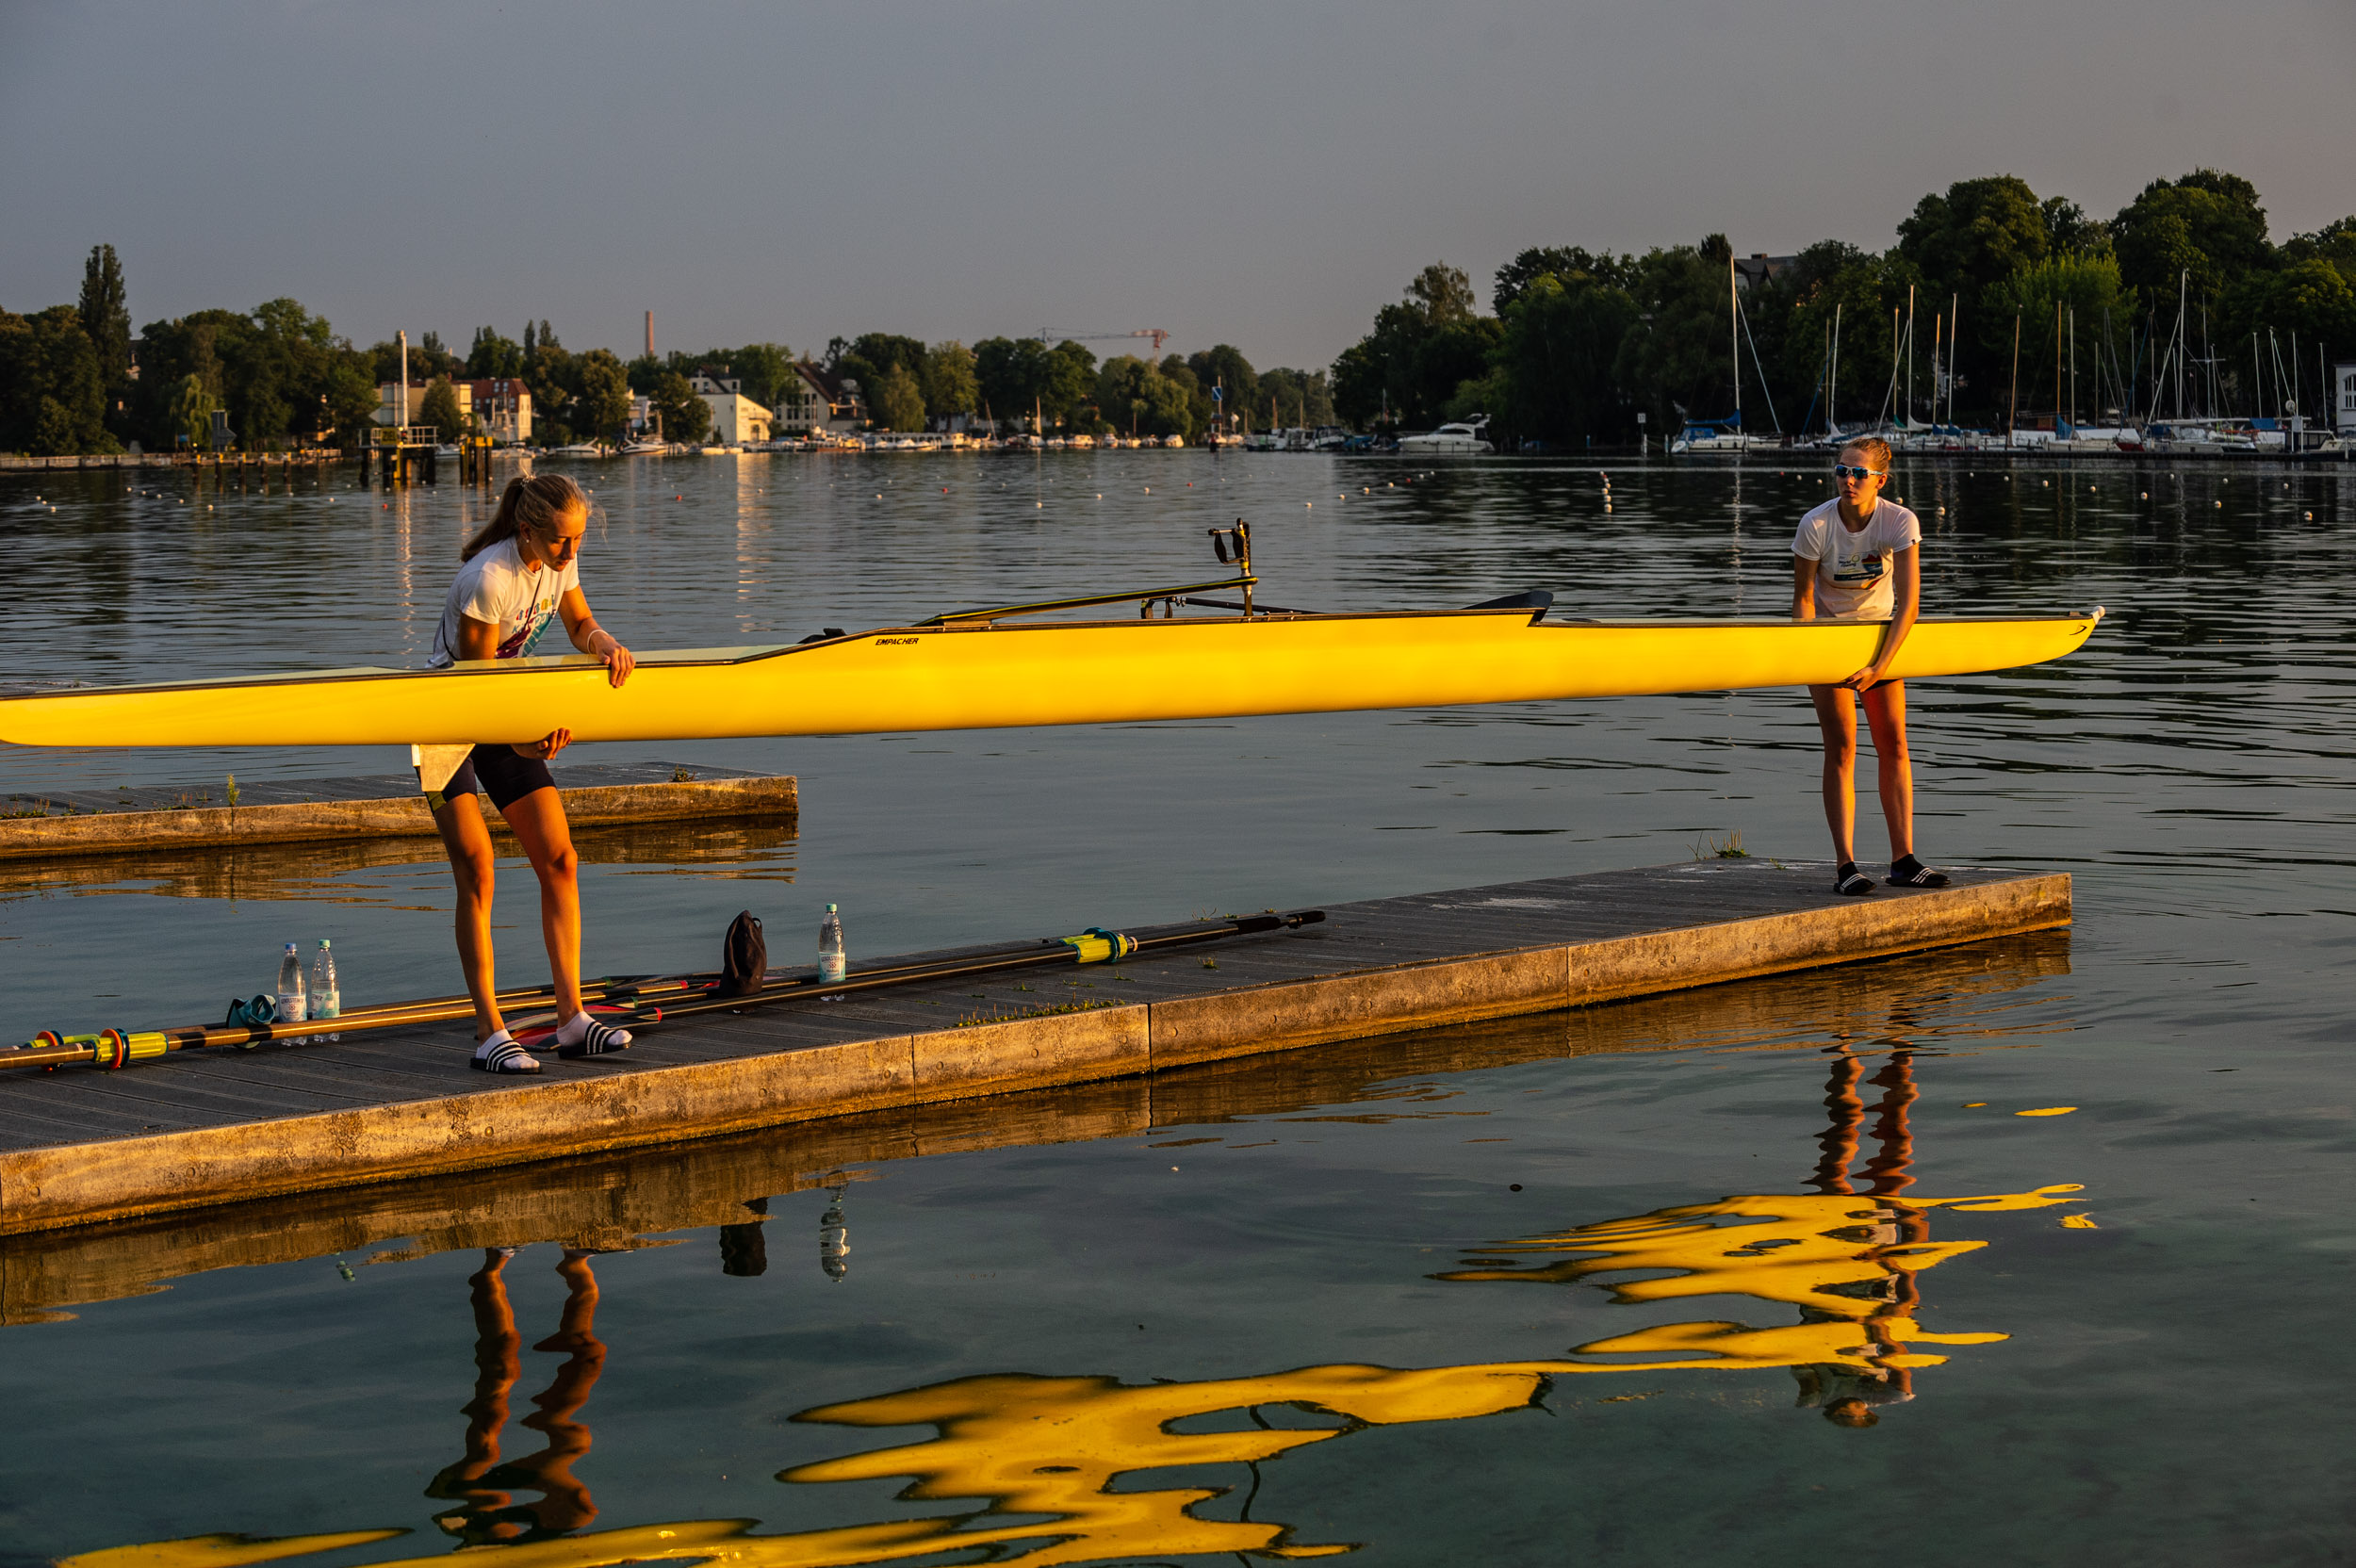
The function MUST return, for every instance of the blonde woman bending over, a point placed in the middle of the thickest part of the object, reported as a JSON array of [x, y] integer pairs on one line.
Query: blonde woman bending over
[[521, 576]]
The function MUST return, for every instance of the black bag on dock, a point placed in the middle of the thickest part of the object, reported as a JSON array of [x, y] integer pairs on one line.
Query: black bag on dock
[[743, 957]]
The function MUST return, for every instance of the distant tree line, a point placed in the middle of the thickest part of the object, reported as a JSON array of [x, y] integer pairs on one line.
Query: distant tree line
[[71, 380], [1577, 343]]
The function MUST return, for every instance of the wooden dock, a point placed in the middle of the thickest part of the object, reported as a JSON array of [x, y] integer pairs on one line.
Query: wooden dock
[[202, 1128], [54, 823], [625, 1198]]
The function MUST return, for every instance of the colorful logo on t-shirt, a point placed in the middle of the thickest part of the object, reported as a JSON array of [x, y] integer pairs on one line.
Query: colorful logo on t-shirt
[[527, 636], [1864, 567]]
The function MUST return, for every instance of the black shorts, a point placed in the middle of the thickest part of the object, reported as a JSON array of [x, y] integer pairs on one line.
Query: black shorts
[[497, 769]]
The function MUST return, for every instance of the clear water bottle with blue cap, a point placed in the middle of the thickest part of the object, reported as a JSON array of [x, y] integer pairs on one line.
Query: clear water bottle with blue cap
[[832, 964], [289, 1000], [326, 1001]]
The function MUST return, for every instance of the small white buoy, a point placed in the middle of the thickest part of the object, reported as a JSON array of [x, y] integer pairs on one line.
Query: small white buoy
[[1308, 503]]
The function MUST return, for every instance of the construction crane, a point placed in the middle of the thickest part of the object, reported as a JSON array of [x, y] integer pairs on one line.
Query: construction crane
[[1156, 334]]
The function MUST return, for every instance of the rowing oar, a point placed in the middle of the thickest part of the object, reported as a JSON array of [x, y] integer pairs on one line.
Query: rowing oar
[[114, 1049], [1094, 946]]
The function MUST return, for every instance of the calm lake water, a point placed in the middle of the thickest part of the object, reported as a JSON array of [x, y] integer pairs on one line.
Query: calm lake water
[[1469, 1296]]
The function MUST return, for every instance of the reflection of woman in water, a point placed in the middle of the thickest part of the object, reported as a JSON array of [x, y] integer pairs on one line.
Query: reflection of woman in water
[[1845, 1393], [482, 1482]]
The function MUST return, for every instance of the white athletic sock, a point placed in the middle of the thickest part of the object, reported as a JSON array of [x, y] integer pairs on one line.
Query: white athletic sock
[[497, 1037], [576, 1028]]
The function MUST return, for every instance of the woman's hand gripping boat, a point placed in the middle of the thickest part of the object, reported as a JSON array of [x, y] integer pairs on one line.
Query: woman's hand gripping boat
[[997, 667]]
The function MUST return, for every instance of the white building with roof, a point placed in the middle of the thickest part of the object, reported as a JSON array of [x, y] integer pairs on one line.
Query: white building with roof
[[737, 421]]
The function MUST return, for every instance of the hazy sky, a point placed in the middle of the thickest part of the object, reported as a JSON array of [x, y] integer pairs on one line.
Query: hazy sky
[[1263, 174]]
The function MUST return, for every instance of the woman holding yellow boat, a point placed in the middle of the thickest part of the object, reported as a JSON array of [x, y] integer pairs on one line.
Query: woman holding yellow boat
[[521, 574], [1859, 557]]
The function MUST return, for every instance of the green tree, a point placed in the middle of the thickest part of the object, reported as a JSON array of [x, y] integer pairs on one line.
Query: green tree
[[763, 370], [1960, 244], [348, 402], [1009, 372], [950, 384], [1195, 393], [1069, 390], [1305, 396], [1420, 351], [1676, 361], [2208, 223], [1562, 262], [53, 397], [1223, 366], [440, 410], [2036, 296], [1552, 373], [1833, 283], [1444, 294], [685, 415], [2310, 298], [602, 405], [192, 408], [896, 401], [1134, 397], [493, 355], [647, 371], [2335, 243], [106, 321]]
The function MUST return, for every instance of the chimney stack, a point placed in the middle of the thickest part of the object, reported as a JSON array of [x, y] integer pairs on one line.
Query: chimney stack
[[650, 335]]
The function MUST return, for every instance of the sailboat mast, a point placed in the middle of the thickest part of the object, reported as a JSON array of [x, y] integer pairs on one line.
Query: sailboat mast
[[1830, 428], [2183, 288], [1955, 345], [1938, 342], [1909, 355], [1734, 338]]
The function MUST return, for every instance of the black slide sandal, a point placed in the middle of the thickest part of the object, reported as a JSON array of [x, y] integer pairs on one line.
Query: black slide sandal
[[1908, 872], [1848, 883]]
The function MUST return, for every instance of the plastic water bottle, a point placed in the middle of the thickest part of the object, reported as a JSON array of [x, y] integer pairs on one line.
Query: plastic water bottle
[[289, 998], [326, 1001], [832, 965]]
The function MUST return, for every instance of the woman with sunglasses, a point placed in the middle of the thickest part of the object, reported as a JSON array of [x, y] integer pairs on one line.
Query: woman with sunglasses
[[1858, 558], [521, 574]]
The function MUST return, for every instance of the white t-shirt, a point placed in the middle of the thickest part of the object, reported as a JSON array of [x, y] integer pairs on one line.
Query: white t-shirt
[[497, 587], [1856, 572]]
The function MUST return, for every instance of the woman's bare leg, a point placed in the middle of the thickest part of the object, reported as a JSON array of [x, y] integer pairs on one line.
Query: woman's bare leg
[[538, 819], [1886, 713], [1835, 716], [474, 868]]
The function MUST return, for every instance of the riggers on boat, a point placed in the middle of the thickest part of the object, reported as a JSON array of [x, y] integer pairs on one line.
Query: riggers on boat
[[994, 668]]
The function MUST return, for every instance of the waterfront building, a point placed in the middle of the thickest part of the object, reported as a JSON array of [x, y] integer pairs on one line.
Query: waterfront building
[[501, 406], [2344, 406], [736, 420], [817, 401], [389, 402], [1759, 269]]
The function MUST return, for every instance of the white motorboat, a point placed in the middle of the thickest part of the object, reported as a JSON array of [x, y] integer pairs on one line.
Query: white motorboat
[[1459, 437], [578, 449], [1718, 436]]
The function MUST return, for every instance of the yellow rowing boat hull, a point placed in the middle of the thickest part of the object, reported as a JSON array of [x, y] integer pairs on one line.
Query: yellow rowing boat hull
[[985, 675]]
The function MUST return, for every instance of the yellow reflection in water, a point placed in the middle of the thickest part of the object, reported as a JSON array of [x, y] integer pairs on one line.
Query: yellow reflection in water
[[1043, 1456]]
